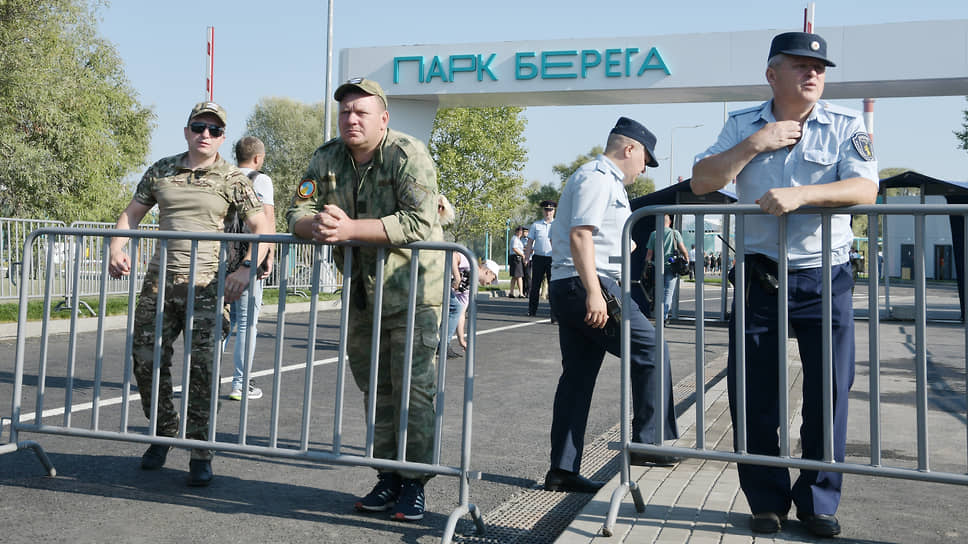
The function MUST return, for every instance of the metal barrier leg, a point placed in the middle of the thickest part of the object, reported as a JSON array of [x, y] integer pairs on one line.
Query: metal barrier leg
[[616, 502], [455, 516], [38, 450]]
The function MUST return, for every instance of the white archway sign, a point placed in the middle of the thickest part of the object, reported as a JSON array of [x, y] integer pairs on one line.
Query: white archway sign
[[873, 61]]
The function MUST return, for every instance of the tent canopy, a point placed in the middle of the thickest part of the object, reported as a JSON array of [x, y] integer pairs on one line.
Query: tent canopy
[[927, 184]]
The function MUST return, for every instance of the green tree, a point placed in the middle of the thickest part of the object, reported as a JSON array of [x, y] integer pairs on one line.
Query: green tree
[[291, 131], [529, 211], [962, 135], [71, 127], [642, 186], [480, 155]]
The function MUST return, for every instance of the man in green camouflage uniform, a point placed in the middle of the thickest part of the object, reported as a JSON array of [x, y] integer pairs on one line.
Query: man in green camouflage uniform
[[379, 185], [194, 192]]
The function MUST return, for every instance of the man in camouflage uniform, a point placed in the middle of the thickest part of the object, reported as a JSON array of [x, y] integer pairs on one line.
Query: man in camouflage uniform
[[194, 192], [379, 185]]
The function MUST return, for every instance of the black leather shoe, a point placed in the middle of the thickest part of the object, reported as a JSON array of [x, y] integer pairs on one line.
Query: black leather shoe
[[571, 482], [199, 472], [822, 525], [767, 522], [154, 457], [649, 460]]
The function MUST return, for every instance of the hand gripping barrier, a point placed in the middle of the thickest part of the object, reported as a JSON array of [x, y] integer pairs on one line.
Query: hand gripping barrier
[[300, 443], [922, 472]]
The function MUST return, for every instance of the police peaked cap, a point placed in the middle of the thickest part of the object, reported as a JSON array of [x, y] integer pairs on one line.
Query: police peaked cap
[[635, 130], [801, 44]]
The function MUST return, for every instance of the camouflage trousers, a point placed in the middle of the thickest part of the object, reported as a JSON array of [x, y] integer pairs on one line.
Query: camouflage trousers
[[204, 344], [423, 380]]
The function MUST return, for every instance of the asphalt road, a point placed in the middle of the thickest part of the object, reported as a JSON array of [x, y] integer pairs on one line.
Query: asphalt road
[[101, 494]]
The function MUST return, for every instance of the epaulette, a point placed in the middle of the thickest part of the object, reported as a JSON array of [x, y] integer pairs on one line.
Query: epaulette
[[328, 143], [408, 145], [744, 111], [841, 110]]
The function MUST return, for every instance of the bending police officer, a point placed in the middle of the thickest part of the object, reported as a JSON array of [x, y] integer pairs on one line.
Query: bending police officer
[[593, 209]]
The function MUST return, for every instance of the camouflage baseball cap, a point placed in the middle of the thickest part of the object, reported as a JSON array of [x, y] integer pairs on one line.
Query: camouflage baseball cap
[[208, 107], [365, 86]]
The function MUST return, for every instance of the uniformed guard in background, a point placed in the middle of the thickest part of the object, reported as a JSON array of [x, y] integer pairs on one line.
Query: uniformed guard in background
[[194, 192], [379, 185], [538, 251], [789, 152]]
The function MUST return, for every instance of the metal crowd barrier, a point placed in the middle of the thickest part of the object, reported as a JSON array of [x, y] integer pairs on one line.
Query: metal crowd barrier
[[876, 467], [13, 233], [298, 446], [70, 252]]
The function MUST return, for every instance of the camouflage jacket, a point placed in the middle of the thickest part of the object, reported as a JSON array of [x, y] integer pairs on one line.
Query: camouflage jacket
[[398, 187], [195, 201]]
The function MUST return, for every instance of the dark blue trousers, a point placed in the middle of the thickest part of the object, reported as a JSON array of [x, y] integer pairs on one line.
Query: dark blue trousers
[[582, 352], [540, 270], [768, 489]]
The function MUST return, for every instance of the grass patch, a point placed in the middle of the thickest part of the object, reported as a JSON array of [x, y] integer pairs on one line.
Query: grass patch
[[118, 305], [707, 280], [9, 312], [271, 296]]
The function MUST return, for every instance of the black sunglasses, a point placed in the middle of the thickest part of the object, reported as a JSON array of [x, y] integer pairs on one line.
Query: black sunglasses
[[199, 127]]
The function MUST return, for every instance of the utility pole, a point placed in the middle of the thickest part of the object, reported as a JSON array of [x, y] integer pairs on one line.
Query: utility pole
[[210, 64]]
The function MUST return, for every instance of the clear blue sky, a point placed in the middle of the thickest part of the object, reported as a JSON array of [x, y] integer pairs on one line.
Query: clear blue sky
[[278, 49]]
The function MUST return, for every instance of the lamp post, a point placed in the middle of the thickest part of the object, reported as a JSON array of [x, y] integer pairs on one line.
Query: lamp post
[[672, 165]]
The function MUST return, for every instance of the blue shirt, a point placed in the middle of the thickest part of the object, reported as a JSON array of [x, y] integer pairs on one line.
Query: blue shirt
[[594, 196], [824, 154], [541, 234]]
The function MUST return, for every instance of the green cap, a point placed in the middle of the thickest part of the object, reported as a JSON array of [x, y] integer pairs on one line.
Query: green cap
[[365, 86], [208, 107]]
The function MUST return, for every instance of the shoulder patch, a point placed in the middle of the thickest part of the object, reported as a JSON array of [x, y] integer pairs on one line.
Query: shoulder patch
[[863, 145], [306, 189]]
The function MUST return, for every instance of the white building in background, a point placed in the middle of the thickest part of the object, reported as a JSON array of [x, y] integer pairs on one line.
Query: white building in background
[[713, 228], [938, 248]]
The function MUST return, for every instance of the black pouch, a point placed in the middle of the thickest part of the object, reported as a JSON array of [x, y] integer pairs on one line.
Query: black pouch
[[613, 307], [760, 269], [764, 271]]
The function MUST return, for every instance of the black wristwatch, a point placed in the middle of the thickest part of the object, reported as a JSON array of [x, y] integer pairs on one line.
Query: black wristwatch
[[247, 263]]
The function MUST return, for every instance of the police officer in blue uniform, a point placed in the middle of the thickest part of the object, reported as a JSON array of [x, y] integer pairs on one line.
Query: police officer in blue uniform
[[789, 152], [592, 211]]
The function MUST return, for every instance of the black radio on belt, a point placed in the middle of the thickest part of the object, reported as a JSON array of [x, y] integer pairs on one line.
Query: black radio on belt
[[612, 306], [762, 270]]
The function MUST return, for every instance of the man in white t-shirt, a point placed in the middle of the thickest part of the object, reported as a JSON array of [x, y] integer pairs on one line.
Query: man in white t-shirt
[[250, 154]]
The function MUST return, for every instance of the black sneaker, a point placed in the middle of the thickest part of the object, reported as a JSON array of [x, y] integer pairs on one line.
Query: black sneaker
[[154, 457], [455, 353], [199, 472], [383, 495], [410, 505]]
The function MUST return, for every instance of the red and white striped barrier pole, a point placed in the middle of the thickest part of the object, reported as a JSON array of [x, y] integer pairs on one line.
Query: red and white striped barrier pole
[[210, 64]]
